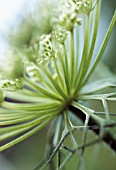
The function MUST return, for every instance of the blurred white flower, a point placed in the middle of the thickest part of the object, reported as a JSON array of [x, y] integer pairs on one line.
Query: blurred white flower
[[11, 65], [11, 70]]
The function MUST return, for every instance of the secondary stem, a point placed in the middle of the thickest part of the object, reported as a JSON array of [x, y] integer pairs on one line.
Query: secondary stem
[[107, 137]]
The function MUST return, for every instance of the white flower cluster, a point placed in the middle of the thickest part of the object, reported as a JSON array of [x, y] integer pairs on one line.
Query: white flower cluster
[[11, 84], [46, 51], [66, 20], [82, 5], [60, 34], [69, 15]]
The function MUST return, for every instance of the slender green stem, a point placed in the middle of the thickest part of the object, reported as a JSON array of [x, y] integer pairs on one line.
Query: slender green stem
[[57, 87], [89, 112], [106, 109], [72, 60], [16, 120], [74, 151], [9, 132], [76, 48], [33, 108], [79, 76], [61, 59], [55, 151], [46, 83], [66, 70], [26, 135], [42, 90], [103, 47], [59, 75], [94, 37]]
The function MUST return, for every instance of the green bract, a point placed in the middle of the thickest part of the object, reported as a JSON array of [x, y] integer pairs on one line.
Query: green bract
[[57, 75]]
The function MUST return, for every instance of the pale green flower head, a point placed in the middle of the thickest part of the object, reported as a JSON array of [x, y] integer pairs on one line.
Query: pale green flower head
[[11, 70]]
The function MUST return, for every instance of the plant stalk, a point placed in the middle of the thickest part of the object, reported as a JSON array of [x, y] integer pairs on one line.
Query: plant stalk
[[107, 137]]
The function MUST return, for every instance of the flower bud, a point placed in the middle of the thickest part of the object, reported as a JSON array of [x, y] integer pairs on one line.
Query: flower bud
[[69, 15], [9, 84], [46, 51], [60, 34]]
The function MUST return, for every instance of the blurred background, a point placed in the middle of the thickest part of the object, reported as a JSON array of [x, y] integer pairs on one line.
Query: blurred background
[[24, 17]]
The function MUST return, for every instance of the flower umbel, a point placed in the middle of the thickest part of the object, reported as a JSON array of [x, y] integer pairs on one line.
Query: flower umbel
[[57, 78], [12, 73]]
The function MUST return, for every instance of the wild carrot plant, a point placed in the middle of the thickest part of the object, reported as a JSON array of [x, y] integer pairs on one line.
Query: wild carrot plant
[[49, 82]]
